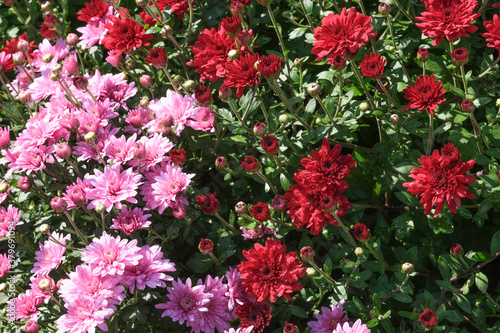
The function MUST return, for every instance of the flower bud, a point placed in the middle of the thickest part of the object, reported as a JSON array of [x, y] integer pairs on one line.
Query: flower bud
[[394, 119], [141, 3], [179, 211], [130, 64], [55, 76], [456, 250], [290, 328], [233, 54], [298, 63], [392, 48], [47, 58], [497, 103], [206, 246], [44, 228], [63, 150], [467, 106], [423, 54], [3, 285], [279, 203], [311, 272], [57, 68], [100, 208], [361, 232], [307, 253], [24, 97], [190, 85], [31, 326], [240, 208], [89, 137], [45, 285], [364, 106], [8, 3], [338, 63], [4, 188], [359, 251], [384, 8], [139, 150], [18, 59], [23, 45], [146, 81], [59, 205], [144, 102], [314, 89], [46, 6], [259, 129], [224, 93], [221, 162], [80, 82], [24, 183], [284, 119], [167, 31], [72, 39], [460, 56], [407, 268]]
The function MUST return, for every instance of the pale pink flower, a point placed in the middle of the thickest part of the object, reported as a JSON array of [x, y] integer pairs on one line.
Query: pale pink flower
[[34, 159], [171, 112], [45, 295], [70, 64], [111, 255], [357, 327], [86, 150], [114, 58], [120, 150], [258, 232], [4, 196], [114, 87], [58, 52], [9, 219], [150, 271], [129, 221], [202, 119], [40, 130], [83, 283], [84, 315], [112, 186], [235, 291], [248, 329], [76, 194], [50, 255], [103, 110], [329, 319], [165, 186], [26, 305], [157, 148], [43, 86], [4, 265]]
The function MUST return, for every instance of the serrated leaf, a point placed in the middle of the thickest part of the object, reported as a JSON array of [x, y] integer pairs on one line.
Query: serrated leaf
[[481, 282]]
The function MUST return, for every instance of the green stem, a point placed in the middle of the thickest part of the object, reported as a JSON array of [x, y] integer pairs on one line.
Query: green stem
[[405, 13], [274, 84], [423, 68], [386, 93], [320, 271], [375, 254], [362, 82], [245, 114], [236, 231], [264, 178], [478, 133], [79, 234], [305, 13], [217, 262], [398, 288], [347, 232], [391, 30], [323, 106], [165, 70], [358, 262], [280, 38], [431, 135], [190, 25], [277, 161], [490, 67]]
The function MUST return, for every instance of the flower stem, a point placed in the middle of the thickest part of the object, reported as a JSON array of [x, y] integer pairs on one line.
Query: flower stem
[[214, 258], [323, 106], [490, 67], [358, 262], [280, 38], [76, 228], [245, 114], [398, 288], [386, 93], [236, 231], [360, 79], [170, 79], [405, 13], [284, 99], [320, 271], [375, 254], [264, 178], [423, 68], [348, 234], [431, 135]]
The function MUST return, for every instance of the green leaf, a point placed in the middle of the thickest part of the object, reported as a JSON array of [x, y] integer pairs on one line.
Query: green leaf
[[297, 32], [327, 266], [462, 302], [454, 316], [495, 243], [493, 152], [298, 311], [464, 212], [481, 282], [409, 315], [404, 168], [406, 198], [376, 301], [372, 323], [446, 285], [444, 269], [285, 180], [403, 298], [441, 224]]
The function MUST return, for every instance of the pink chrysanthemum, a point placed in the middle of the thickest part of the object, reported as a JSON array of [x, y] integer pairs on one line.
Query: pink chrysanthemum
[[150, 270], [258, 232], [76, 194], [84, 315], [171, 113], [4, 265], [87, 151], [50, 255], [202, 119], [4, 137], [248, 329], [113, 87], [111, 255], [82, 282], [9, 219], [165, 186], [26, 305], [45, 295], [156, 148], [129, 220], [235, 291], [357, 327], [33, 159], [328, 320], [112, 186], [120, 149]]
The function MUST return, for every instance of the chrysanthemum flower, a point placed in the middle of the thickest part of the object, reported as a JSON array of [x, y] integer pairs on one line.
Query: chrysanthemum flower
[[84, 315], [112, 186], [171, 113], [372, 66], [269, 66], [157, 57], [270, 271], [9, 219], [448, 18], [270, 144], [202, 119], [178, 7], [258, 232], [4, 265], [130, 220], [208, 203], [254, 314], [426, 95], [441, 180], [357, 327], [50, 255], [260, 212], [235, 291], [341, 33], [35, 287], [156, 148], [125, 35], [328, 320], [26, 305], [493, 34], [120, 150], [241, 73], [111, 255], [361, 232], [428, 318], [94, 8]]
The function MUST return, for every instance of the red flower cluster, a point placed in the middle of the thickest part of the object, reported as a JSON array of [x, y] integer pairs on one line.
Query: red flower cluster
[[428, 318], [256, 314], [157, 57], [11, 48], [269, 66], [178, 7], [241, 73], [441, 180], [372, 66], [448, 18], [493, 34], [342, 33], [270, 271], [260, 212], [426, 95], [124, 35], [208, 203], [318, 189], [95, 8]]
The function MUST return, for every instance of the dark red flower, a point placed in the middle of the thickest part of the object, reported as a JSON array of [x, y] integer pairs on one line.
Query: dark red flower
[[157, 57], [260, 212], [256, 314], [426, 95], [337, 62], [270, 144], [232, 25], [456, 250], [448, 18], [95, 8], [290, 328], [450, 152], [493, 34], [423, 54], [341, 33], [208, 203], [386, 83], [124, 35], [47, 32], [203, 95], [50, 20], [11, 48], [269, 66], [178, 7], [270, 271], [242, 73], [428, 318], [177, 156], [250, 164], [372, 66], [361, 232], [467, 105], [441, 180], [205, 246], [460, 56], [210, 54], [307, 253]]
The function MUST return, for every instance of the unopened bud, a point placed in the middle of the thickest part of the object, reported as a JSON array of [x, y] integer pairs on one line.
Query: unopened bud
[[497, 103], [384, 8], [23, 45], [44, 228], [359, 251], [224, 92], [259, 129], [456, 250], [392, 49], [139, 150], [284, 119], [130, 64], [3, 285], [423, 54], [63, 150], [394, 119], [407, 268], [144, 102], [59, 205], [47, 58], [141, 3], [55, 76], [190, 85], [24, 183], [297, 63], [24, 97], [4, 188], [233, 54], [89, 137], [146, 81], [45, 285], [31, 326], [206, 246], [364, 106], [307, 253], [167, 31], [311, 272], [57, 68], [290, 328], [80, 82], [240, 208], [221, 162], [72, 39], [178, 80], [314, 89], [100, 208], [46, 6], [18, 59], [467, 106]]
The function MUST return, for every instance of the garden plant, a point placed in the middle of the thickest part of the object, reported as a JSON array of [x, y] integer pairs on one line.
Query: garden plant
[[324, 166]]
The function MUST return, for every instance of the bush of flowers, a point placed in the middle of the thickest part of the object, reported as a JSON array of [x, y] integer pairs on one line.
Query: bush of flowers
[[249, 166]]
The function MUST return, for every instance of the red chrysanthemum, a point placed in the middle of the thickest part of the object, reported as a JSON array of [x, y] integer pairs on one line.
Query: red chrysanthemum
[[448, 18], [203, 95], [428, 318], [260, 212], [441, 180], [208, 203], [95, 8], [426, 95], [256, 314], [460, 56], [341, 33], [372, 66], [157, 57], [270, 271], [210, 54], [232, 25], [361, 232], [11, 48], [124, 35], [269, 66], [241, 73], [250, 164], [493, 34], [178, 7], [177, 156], [456, 250], [47, 32], [270, 144]]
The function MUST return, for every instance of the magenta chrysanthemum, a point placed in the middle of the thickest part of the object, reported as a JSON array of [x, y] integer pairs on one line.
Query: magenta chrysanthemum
[[129, 221], [26, 305], [50, 255], [328, 320]]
